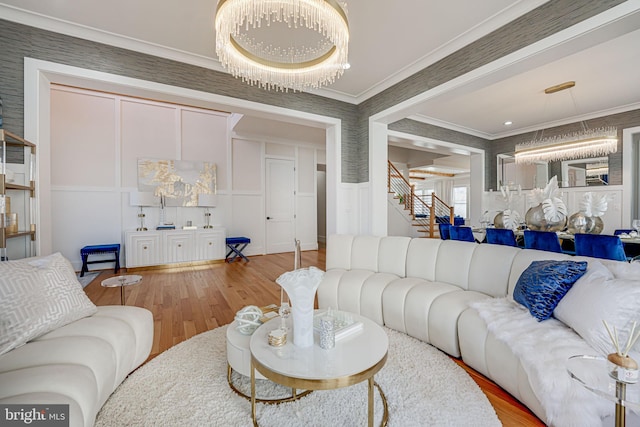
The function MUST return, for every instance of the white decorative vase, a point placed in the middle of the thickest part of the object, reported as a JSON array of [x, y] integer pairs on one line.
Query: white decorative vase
[[580, 223], [301, 286], [536, 220]]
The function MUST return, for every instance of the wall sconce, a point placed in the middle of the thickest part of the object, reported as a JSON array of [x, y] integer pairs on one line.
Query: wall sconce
[[207, 201], [142, 199]]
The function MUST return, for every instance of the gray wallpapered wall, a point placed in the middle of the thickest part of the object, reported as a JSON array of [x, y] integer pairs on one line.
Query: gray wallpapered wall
[[621, 121], [20, 41]]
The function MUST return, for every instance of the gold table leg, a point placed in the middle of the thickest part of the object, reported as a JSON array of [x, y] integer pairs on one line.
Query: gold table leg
[[122, 295], [253, 395], [370, 401], [621, 394]]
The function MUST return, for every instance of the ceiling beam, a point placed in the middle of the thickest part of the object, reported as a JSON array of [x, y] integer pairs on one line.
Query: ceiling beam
[[424, 172]]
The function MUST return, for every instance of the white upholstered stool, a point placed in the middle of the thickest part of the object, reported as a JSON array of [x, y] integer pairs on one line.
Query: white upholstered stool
[[238, 353], [239, 360]]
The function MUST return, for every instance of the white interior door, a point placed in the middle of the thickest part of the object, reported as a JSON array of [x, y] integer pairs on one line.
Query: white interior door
[[280, 205]]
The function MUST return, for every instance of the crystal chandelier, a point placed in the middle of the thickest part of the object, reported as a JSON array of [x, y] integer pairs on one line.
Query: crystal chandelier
[[283, 44], [577, 145]]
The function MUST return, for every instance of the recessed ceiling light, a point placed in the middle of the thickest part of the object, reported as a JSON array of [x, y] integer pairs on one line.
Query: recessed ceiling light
[[508, 123]]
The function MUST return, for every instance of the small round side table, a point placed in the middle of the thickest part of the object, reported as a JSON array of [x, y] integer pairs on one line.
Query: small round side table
[[591, 372], [122, 281]]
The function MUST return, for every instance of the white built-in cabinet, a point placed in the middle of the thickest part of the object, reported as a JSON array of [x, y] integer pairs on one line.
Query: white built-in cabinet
[[159, 247]]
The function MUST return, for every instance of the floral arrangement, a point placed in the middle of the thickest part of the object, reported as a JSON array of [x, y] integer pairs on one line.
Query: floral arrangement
[[594, 205], [552, 205], [511, 218]]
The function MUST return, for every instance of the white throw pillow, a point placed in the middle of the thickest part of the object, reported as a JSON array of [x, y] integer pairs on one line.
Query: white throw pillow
[[38, 295], [598, 296]]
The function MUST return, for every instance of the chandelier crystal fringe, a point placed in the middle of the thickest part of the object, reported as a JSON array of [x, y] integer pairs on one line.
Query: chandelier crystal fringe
[[584, 144], [283, 67]]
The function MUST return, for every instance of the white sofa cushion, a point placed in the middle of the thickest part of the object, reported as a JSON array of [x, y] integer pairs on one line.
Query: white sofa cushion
[[421, 258], [598, 296], [38, 295], [490, 269], [79, 364], [453, 264], [392, 257], [339, 251], [364, 253]]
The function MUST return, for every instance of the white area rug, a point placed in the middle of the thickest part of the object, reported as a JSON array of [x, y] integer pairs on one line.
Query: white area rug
[[87, 278], [187, 386]]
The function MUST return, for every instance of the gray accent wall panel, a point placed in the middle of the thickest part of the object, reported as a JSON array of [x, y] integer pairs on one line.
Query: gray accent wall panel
[[20, 41], [414, 127], [621, 121], [541, 22]]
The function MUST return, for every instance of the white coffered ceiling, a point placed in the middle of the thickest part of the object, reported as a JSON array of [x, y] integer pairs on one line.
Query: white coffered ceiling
[[389, 42]]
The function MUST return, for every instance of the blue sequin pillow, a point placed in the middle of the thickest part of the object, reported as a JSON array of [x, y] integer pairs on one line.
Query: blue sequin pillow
[[543, 284]]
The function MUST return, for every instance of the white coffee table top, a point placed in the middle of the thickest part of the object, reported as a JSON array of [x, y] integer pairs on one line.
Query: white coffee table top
[[351, 357]]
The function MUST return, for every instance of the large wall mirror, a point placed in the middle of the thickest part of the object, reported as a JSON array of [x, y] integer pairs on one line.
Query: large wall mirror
[[574, 173], [585, 172], [529, 176]]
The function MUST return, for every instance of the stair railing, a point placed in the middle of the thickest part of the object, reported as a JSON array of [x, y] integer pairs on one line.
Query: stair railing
[[398, 185], [439, 209]]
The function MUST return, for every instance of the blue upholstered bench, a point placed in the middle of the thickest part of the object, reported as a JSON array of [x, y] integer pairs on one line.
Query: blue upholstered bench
[[100, 250], [236, 245]]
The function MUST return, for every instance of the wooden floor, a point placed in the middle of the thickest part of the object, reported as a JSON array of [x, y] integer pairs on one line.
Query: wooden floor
[[186, 301]]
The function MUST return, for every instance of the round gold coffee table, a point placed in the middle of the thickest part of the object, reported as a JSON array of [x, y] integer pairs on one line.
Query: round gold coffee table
[[122, 281], [353, 360]]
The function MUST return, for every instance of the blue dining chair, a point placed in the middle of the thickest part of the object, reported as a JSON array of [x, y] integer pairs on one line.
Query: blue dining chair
[[464, 234], [632, 250], [600, 246], [501, 236], [621, 231], [444, 230], [542, 241]]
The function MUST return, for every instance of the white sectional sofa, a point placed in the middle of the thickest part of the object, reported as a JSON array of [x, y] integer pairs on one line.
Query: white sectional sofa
[[428, 288], [85, 351]]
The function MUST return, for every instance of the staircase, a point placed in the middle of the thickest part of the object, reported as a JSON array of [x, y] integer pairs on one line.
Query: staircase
[[425, 216]]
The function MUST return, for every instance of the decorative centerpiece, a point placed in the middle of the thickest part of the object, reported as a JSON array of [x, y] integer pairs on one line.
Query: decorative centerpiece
[[587, 219], [327, 332], [509, 218], [301, 286], [549, 212], [248, 319], [623, 368]]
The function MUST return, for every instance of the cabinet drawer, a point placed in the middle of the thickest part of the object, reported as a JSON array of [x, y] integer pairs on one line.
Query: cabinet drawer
[[143, 249]]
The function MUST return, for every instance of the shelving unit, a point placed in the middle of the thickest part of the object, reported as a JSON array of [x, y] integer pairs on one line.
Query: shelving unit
[[20, 189]]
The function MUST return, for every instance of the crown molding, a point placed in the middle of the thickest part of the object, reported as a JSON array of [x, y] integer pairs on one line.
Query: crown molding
[[574, 119], [451, 126], [56, 25], [485, 27], [37, 20], [48, 23]]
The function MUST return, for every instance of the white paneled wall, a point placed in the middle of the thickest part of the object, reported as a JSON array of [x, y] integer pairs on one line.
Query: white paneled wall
[[204, 138], [493, 203], [248, 197], [97, 139], [306, 198]]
